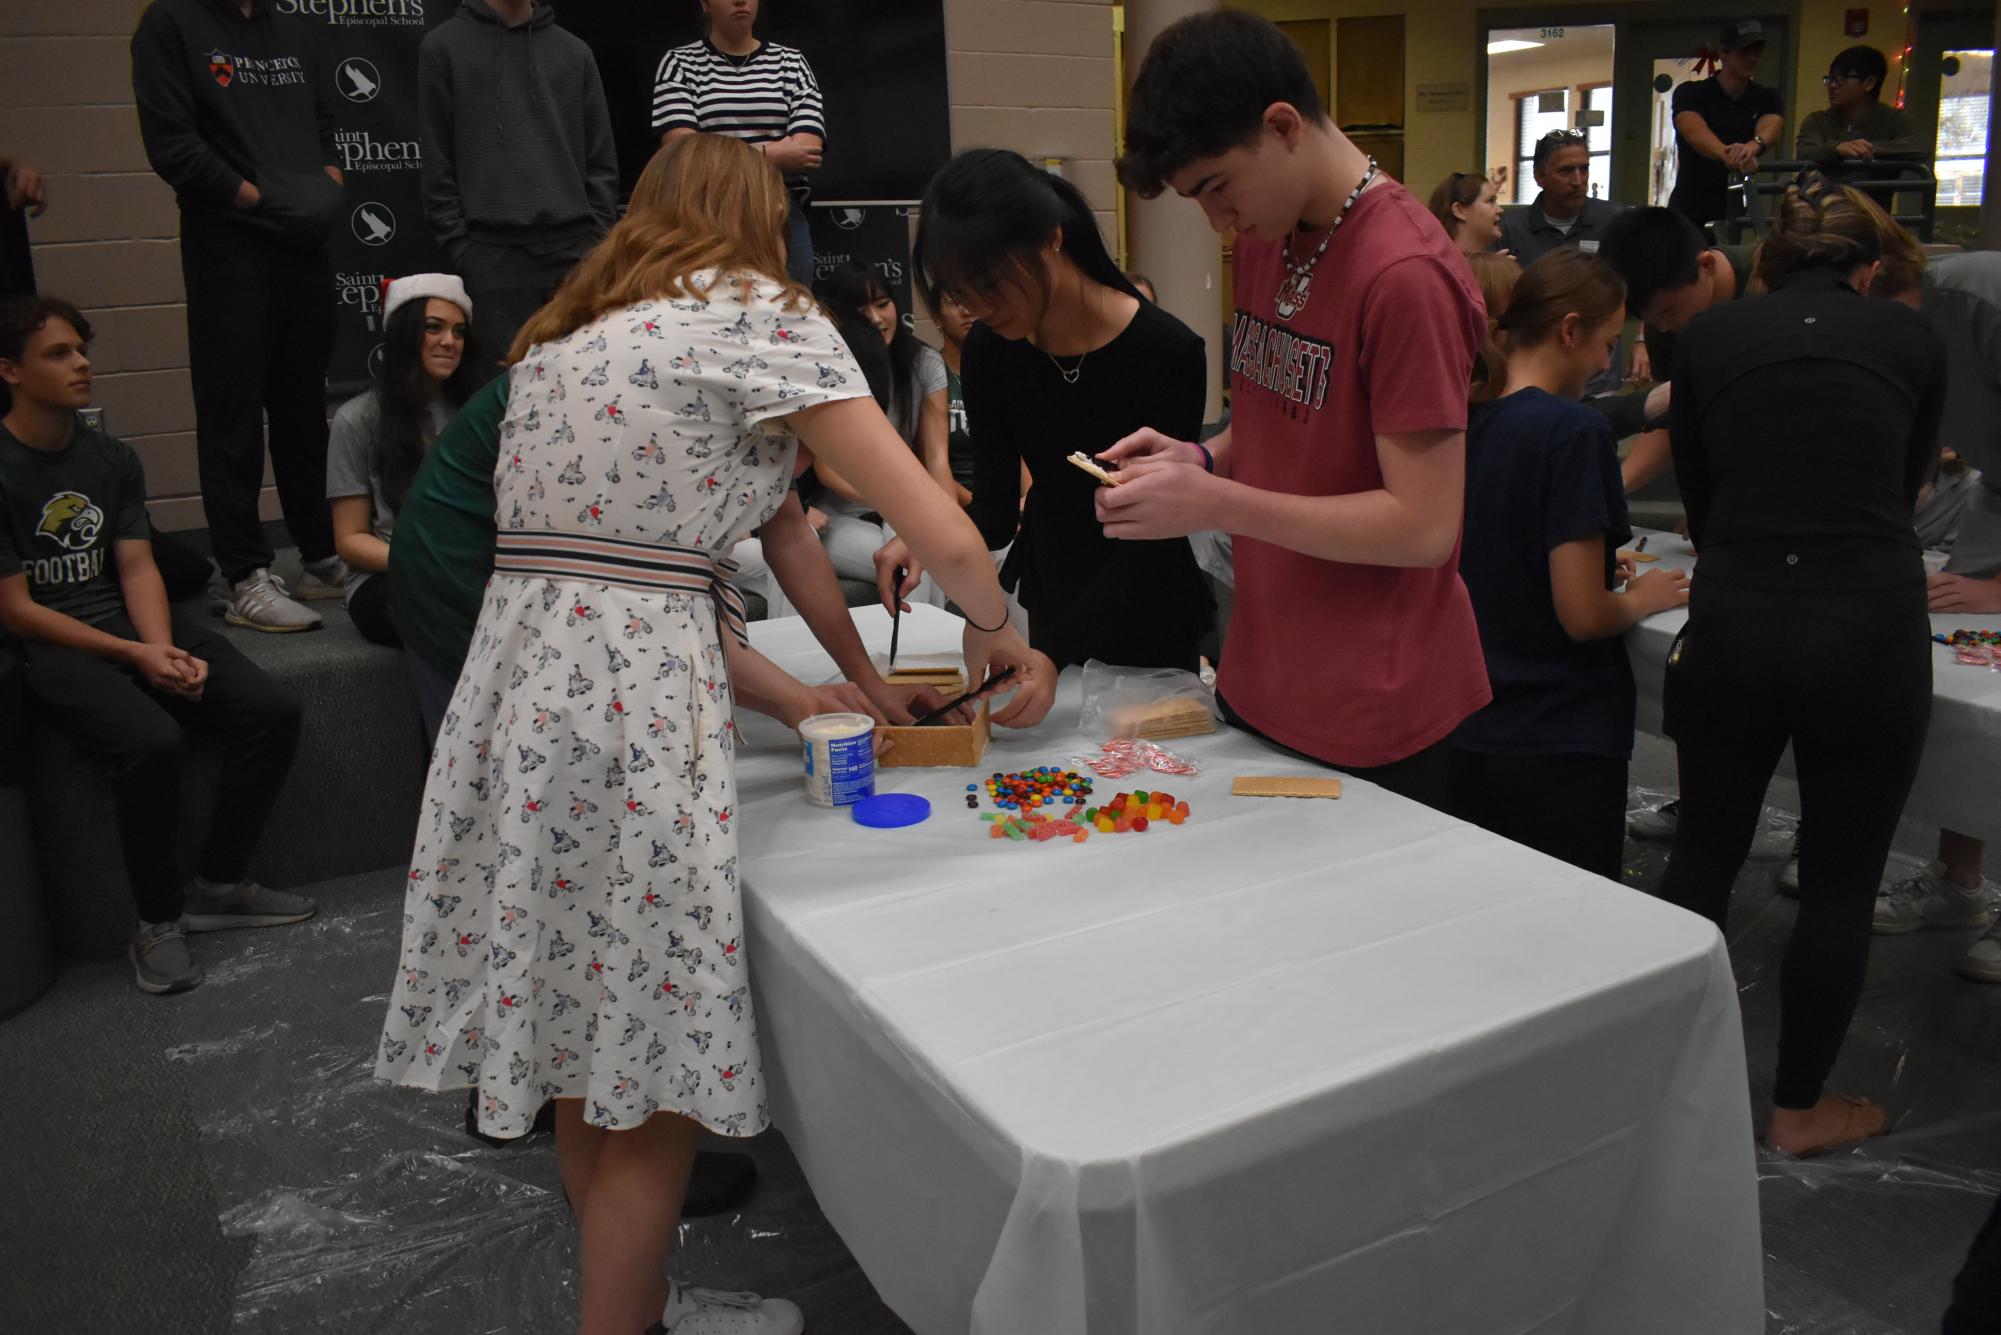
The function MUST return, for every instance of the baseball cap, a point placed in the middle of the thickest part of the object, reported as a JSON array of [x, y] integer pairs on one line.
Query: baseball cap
[[1740, 34]]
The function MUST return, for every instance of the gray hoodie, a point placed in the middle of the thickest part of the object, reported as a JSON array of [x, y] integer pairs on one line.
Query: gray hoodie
[[517, 139]]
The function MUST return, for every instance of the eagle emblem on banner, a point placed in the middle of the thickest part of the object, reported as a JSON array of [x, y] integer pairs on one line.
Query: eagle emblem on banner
[[222, 67]]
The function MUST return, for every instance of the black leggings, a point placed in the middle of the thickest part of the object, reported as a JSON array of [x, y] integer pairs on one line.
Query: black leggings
[[368, 608], [1847, 680], [1572, 807], [1976, 1294]]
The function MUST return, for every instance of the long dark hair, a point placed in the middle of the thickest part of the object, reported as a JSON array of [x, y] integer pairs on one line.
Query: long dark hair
[[847, 291], [403, 400], [987, 215]]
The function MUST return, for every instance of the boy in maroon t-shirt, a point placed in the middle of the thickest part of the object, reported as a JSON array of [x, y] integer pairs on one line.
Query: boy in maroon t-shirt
[[1342, 477]]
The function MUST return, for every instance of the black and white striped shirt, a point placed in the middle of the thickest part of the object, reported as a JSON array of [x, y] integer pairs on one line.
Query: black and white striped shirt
[[768, 96]]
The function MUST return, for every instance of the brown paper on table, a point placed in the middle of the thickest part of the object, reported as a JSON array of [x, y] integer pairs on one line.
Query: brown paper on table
[[1278, 785]]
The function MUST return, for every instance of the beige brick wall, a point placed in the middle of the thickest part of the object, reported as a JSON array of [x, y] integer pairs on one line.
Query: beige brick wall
[[1036, 76], [1032, 75], [109, 239]]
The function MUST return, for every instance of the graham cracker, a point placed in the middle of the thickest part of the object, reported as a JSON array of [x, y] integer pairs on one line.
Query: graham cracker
[[1641, 557], [938, 745], [1094, 468], [1282, 785], [1179, 716], [949, 680]]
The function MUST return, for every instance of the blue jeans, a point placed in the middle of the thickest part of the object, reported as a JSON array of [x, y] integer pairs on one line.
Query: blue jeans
[[799, 246]]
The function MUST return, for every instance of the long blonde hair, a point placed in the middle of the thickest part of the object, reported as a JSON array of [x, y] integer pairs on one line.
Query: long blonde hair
[[1496, 274], [705, 202]]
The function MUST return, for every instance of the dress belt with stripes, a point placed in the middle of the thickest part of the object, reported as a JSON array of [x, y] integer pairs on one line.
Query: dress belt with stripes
[[631, 565]]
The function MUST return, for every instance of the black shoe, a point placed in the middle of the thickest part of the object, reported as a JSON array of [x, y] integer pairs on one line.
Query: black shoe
[[721, 1181], [545, 1123]]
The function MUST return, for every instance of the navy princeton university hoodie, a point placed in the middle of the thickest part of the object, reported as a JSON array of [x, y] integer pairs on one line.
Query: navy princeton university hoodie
[[225, 99], [517, 138]]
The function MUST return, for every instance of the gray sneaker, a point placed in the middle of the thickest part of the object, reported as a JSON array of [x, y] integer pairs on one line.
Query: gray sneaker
[[1982, 961], [1789, 875], [160, 959], [245, 904], [1928, 899], [259, 602], [322, 579], [1657, 824], [220, 595]]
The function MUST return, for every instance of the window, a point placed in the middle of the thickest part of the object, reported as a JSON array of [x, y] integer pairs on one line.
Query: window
[[1962, 127], [1536, 114], [1596, 121]]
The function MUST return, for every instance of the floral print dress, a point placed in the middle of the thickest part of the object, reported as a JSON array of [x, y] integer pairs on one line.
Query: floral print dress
[[573, 927]]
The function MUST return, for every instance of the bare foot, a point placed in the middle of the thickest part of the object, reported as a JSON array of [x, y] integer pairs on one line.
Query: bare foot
[[1838, 1119]]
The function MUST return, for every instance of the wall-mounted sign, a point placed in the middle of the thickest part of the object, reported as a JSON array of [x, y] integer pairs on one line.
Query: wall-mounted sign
[[1444, 96]]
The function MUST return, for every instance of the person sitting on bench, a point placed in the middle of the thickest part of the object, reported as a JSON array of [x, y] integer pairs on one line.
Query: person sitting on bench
[[109, 662]]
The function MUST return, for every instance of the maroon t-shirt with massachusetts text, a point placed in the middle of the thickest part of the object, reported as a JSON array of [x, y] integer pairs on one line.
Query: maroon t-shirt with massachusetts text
[[1356, 665]]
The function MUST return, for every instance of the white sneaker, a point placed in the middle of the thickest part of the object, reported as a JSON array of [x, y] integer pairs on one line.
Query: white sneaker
[[259, 602], [712, 1312], [1982, 961], [1927, 899], [322, 579], [1659, 824]]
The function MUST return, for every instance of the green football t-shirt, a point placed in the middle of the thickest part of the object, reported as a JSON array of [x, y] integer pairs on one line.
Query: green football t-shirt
[[61, 511]]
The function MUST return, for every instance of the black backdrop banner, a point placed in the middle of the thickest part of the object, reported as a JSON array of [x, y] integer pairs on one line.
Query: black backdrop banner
[[880, 63], [368, 52], [876, 237]]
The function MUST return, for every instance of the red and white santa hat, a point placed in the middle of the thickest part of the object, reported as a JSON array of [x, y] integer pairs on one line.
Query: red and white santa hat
[[413, 287]]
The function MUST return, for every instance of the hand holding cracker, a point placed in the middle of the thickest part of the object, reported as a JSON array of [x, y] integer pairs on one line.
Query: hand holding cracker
[[1091, 466]]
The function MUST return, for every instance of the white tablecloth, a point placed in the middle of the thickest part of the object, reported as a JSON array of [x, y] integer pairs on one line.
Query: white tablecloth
[[1293, 1066], [1959, 782]]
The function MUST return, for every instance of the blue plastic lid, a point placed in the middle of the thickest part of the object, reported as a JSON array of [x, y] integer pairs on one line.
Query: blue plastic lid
[[892, 811]]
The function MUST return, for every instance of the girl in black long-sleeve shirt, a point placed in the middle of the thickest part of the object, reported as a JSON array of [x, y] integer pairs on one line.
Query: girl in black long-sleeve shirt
[[1065, 357], [1803, 425]]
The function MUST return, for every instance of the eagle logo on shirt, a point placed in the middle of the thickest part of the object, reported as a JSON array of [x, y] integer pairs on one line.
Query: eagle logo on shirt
[[70, 521], [223, 67]]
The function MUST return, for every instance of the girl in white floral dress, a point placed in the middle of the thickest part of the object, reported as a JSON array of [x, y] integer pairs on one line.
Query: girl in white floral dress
[[573, 927]]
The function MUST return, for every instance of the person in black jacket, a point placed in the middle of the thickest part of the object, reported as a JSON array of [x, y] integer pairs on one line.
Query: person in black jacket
[[520, 176], [235, 113], [1066, 357], [1804, 424]]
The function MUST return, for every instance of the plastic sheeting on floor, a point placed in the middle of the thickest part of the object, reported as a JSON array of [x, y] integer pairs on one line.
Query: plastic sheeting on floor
[[370, 1208], [1865, 1241]]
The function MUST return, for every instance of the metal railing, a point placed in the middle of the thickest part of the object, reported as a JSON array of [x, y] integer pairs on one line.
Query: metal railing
[[1747, 207]]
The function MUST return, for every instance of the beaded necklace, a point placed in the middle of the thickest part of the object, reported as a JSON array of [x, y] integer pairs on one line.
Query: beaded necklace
[[1297, 288]]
